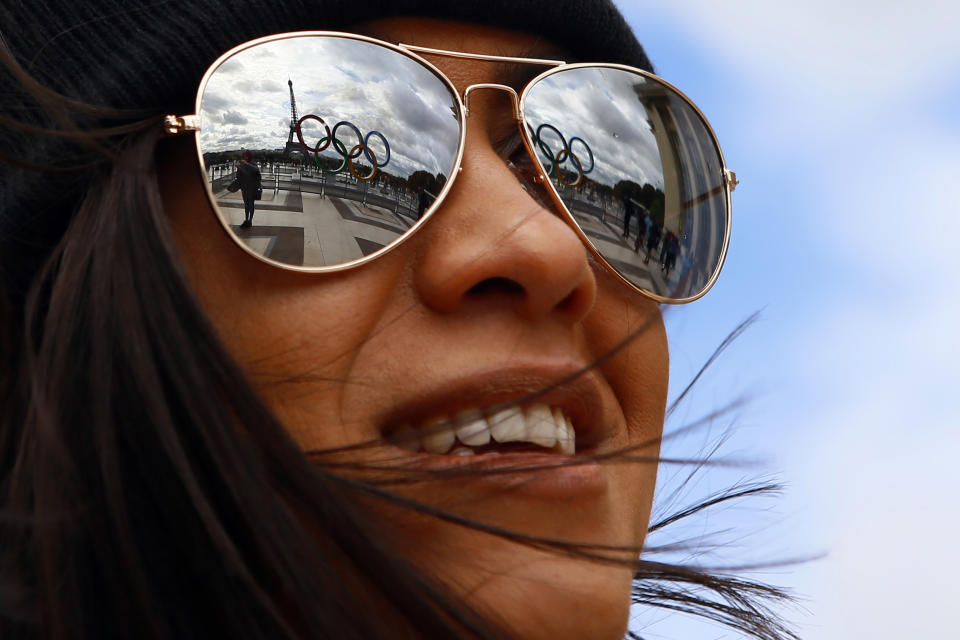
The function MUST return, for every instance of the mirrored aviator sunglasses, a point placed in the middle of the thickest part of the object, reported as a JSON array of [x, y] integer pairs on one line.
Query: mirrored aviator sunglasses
[[321, 151]]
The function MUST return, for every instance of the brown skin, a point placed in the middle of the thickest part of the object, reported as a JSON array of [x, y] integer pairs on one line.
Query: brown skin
[[336, 355]]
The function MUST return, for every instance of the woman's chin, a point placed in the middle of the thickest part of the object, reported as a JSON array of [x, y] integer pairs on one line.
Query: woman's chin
[[533, 593], [498, 563], [555, 598]]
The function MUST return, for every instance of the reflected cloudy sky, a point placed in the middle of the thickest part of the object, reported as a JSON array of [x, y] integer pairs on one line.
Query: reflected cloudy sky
[[246, 103], [607, 115]]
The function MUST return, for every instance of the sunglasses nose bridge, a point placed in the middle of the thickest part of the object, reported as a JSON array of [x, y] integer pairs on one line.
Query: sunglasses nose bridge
[[514, 98]]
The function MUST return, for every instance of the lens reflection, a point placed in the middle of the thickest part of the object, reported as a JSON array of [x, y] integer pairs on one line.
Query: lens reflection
[[638, 169], [353, 142]]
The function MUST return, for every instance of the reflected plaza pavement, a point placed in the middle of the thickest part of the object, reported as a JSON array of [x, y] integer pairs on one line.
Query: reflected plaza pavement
[[308, 222], [296, 227]]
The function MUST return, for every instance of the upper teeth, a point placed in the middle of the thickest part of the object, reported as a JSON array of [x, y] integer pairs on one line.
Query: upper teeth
[[538, 424]]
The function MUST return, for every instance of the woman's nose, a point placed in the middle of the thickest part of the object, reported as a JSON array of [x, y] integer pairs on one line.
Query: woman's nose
[[491, 243]]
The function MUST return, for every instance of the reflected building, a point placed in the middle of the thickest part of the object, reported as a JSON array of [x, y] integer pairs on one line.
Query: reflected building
[[683, 142]]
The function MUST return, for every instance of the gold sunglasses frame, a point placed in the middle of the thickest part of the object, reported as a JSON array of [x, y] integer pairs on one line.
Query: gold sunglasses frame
[[176, 125]]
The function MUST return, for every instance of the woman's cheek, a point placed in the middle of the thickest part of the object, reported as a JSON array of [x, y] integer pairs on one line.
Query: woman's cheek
[[638, 374]]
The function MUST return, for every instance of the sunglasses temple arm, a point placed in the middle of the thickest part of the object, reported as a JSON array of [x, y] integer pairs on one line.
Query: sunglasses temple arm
[[731, 179], [174, 125]]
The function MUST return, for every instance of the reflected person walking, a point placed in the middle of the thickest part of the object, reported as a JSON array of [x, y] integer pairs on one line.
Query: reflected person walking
[[250, 186]]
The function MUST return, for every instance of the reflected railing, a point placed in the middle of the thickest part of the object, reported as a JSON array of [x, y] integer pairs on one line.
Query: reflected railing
[[292, 177]]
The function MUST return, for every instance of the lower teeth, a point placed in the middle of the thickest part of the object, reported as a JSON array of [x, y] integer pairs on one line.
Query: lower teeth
[[497, 449]]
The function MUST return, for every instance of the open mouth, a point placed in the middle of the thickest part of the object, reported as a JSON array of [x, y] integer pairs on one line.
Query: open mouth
[[537, 428]]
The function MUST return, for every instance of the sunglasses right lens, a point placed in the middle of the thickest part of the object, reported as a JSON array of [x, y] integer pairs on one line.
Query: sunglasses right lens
[[640, 171], [352, 142]]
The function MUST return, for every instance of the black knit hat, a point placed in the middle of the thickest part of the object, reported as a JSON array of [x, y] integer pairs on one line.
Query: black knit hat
[[153, 54]]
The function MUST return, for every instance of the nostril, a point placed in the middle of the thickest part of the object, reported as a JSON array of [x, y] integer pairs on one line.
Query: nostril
[[576, 301], [497, 285]]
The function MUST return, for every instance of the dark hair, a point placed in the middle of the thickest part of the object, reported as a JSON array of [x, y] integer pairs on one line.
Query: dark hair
[[145, 490], [247, 155]]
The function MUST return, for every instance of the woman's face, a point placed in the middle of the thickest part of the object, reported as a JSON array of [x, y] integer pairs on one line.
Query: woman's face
[[493, 299]]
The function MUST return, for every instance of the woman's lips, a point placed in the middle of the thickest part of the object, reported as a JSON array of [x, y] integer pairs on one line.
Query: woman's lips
[[511, 427], [528, 473]]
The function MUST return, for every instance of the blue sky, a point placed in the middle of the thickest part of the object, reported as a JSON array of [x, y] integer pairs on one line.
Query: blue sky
[[842, 121]]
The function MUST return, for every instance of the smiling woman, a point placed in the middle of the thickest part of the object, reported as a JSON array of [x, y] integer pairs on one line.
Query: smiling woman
[[420, 395]]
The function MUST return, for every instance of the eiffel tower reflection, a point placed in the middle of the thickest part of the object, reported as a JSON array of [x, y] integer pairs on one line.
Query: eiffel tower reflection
[[292, 149]]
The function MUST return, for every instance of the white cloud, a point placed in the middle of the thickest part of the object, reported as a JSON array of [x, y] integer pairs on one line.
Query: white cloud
[[233, 117], [882, 48], [824, 64], [899, 213], [884, 507]]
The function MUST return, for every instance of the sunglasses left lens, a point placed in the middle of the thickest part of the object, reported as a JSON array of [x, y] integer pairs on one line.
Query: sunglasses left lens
[[321, 150]]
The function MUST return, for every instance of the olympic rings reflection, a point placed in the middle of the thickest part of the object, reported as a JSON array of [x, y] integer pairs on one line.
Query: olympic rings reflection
[[566, 153], [347, 157]]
